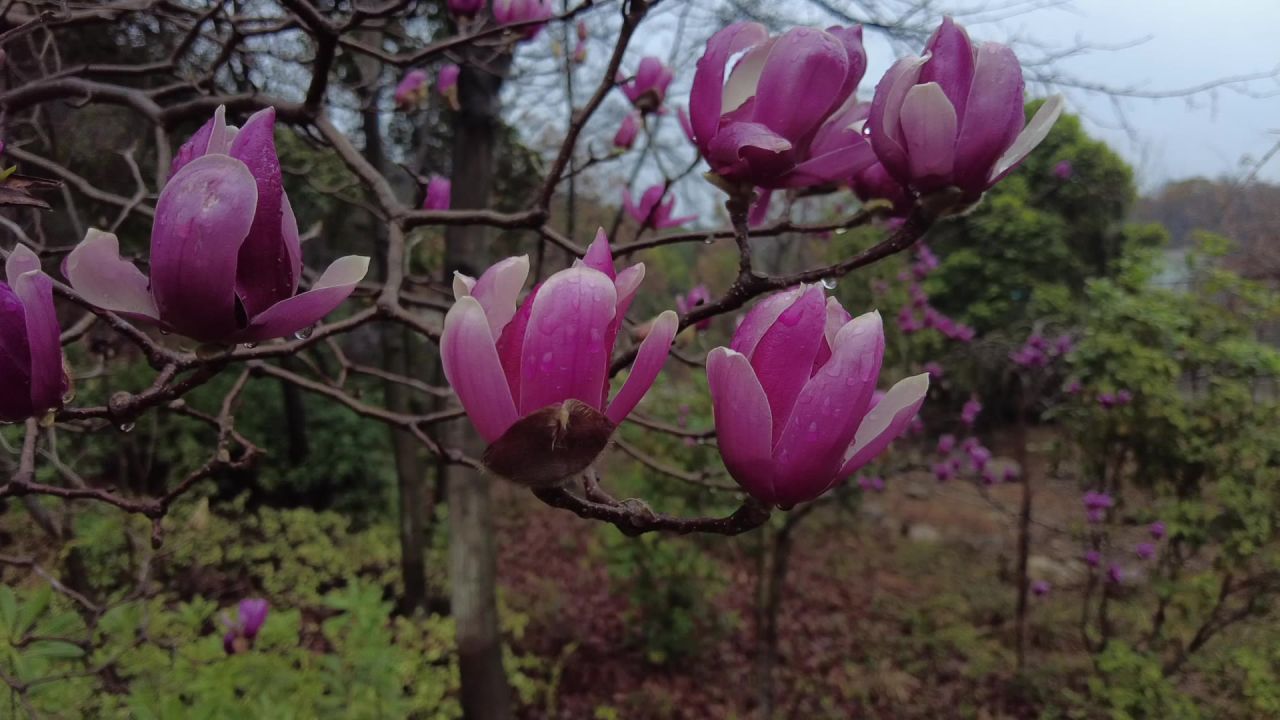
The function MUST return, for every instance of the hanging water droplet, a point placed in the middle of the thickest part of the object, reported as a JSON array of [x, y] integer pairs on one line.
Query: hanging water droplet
[[841, 231], [828, 283], [305, 332], [126, 427], [708, 241], [164, 332], [250, 346]]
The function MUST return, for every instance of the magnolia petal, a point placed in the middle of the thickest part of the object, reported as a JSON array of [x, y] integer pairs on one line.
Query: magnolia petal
[[511, 342], [812, 445], [48, 381], [265, 271], [706, 98], [499, 288], [626, 285], [886, 421], [801, 60], [202, 216], [837, 317], [473, 370], [884, 118], [993, 115], [784, 356], [564, 355], [760, 318], [744, 79], [749, 151], [743, 421], [98, 273], [851, 38], [649, 361], [462, 285], [950, 64], [215, 136], [302, 311], [839, 164], [929, 128], [15, 358], [1032, 135], [598, 256]]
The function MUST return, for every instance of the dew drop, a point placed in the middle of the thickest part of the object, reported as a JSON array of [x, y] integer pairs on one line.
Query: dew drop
[[305, 332], [126, 427], [708, 241], [250, 346], [828, 283]]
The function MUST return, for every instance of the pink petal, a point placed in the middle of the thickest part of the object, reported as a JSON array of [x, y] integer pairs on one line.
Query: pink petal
[[851, 38], [993, 115], [35, 290], [564, 354], [98, 273], [886, 128], [950, 63], [760, 318], [511, 342], [929, 127], [306, 309], [744, 423], [649, 361], [837, 317], [472, 368], [499, 288], [838, 165], [799, 85], [740, 90], [784, 356], [886, 421], [812, 445], [15, 358], [626, 285], [265, 273], [202, 216], [598, 256], [215, 136], [706, 96], [1032, 135], [749, 151]]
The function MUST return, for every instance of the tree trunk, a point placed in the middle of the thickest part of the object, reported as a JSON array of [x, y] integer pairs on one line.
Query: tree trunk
[[411, 480], [486, 695]]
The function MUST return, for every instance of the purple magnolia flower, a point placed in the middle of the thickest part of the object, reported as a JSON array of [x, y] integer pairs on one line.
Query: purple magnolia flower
[[648, 89], [954, 117], [1124, 397], [1115, 575], [1063, 170], [447, 84], [1107, 400], [651, 211], [1074, 387], [241, 632], [946, 443], [788, 117], [979, 456], [793, 396], [535, 381], [907, 321], [412, 90], [1157, 530], [627, 131], [225, 252], [934, 369], [1012, 473], [32, 380], [439, 195], [1093, 558], [1096, 505], [698, 295], [1145, 550], [466, 8], [1040, 588], [507, 12], [943, 471], [969, 413]]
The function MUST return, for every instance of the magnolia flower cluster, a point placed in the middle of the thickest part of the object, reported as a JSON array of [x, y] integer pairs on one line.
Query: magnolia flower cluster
[[947, 124], [919, 314], [414, 88], [793, 397], [226, 265]]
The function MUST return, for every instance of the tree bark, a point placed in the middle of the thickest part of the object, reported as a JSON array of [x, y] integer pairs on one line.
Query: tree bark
[[411, 469], [486, 694]]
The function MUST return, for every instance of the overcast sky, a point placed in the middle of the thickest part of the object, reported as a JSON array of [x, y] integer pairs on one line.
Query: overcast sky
[[1190, 43]]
